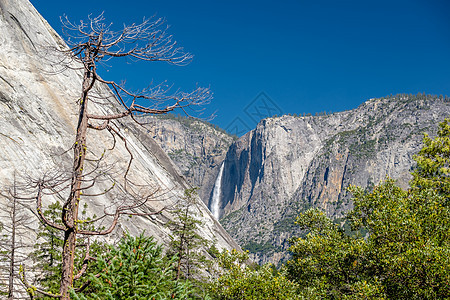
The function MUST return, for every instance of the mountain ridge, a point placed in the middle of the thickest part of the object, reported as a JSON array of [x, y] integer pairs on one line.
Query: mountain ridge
[[289, 163]]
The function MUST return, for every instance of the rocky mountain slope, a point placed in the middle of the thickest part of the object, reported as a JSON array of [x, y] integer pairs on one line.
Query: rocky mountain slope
[[290, 163], [196, 147], [38, 117]]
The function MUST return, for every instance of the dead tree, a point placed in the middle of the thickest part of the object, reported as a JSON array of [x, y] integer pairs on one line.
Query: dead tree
[[91, 43], [16, 216]]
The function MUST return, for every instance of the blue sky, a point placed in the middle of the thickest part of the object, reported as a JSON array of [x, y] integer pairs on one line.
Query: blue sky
[[306, 56]]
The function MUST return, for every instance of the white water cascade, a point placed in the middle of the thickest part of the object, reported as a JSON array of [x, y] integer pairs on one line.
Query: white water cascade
[[215, 203]]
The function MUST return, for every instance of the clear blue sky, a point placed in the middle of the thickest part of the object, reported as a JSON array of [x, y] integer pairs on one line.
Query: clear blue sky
[[307, 56]]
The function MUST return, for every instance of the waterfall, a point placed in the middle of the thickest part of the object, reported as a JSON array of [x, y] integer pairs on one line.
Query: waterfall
[[215, 203]]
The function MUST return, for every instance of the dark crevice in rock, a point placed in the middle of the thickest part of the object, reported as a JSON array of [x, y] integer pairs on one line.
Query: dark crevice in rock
[[4, 98], [7, 82], [325, 176], [23, 30], [343, 175]]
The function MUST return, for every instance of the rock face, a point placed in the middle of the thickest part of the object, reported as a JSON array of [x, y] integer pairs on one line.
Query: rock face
[[288, 164], [196, 147], [38, 116]]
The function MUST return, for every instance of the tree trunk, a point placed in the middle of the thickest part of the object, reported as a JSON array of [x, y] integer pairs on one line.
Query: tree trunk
[[13, 246], [70, 209], [180, 249], [180, 257]]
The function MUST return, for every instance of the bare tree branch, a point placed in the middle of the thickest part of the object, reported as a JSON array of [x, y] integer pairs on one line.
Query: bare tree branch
[[31, 288], [41, 213], [91, 43]]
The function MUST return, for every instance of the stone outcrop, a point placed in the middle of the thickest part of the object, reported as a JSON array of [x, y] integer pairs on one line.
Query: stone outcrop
[[196, 147]]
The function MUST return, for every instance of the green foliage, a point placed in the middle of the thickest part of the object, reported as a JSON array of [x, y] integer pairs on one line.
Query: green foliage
[[135, 269], [406, 252], [398, 248], [48, 249], [47, 253], [241, 281], [409, 240], [327, 263], [433, 162], [186, 243]]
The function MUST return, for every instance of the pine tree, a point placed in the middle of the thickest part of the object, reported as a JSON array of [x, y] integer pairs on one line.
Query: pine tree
[[186, 242], [47, 254], [135, 269]]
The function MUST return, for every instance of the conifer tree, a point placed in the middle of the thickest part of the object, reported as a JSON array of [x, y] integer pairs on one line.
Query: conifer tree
[[186, 242], [134, 269], [47, 253]]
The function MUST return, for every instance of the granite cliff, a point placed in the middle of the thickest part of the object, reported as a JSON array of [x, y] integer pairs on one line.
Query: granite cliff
[[196, 147], [290, 163], [38, 118]]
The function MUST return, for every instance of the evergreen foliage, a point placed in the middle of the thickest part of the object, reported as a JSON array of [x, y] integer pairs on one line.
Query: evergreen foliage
[[186, 242], [135, 269], [403, 254], [47, 253]]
